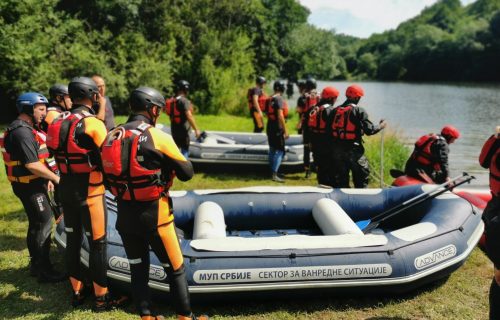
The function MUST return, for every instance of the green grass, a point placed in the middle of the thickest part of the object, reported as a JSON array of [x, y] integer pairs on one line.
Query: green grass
[[464, 295]]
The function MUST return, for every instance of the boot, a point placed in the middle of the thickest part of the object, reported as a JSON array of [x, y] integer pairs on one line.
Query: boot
[[308, 174], [106, 303], [276, 178], [47, 274], [79, 297], [193, 317]]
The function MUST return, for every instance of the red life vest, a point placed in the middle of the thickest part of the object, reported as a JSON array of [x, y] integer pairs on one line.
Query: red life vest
[[316, 122], [128, 179], [343, 127], [70, 157], [50, 162], [262, 99], [16, 171], [272, 112], [422, 153], [490, 158]]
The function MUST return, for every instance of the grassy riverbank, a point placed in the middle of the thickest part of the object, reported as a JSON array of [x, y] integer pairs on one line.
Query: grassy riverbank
[[462, 296]]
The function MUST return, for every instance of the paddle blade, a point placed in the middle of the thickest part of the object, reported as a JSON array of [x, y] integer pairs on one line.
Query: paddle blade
[[362, 224]]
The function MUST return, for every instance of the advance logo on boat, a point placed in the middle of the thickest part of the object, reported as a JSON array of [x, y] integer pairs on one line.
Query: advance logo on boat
[[435, 257], [122, 264], [293, 274]]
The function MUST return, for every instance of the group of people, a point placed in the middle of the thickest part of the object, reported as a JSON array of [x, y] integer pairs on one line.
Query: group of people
[[136, 161], [333, 133]]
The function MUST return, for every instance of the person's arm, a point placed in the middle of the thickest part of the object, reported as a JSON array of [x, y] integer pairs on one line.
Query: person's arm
[[101, 114], [281, 119], [368, 127], [95, 130], [174, 159], [255, 100], [40, 170], [192, 122], [441, 150]]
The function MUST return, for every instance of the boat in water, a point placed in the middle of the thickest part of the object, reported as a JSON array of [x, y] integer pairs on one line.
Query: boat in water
[[282, 240]]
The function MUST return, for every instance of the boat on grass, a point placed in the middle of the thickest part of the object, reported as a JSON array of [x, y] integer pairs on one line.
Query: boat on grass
[[283, 240]]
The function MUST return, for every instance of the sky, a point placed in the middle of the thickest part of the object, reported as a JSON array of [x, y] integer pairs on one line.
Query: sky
[[361, 18]]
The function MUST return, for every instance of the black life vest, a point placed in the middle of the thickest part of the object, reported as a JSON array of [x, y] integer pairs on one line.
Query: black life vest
[[15, 170], [127, 178], [69, 156], [344, 126]]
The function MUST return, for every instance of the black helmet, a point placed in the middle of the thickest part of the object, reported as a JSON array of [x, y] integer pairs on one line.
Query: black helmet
[[260, 80], [144, 98], [279, 85], [182, 85], [26, 102], [310, 83], [82, 87], [58, 90]]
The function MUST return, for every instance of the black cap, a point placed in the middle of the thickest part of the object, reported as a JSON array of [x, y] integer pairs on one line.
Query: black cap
[[58, 90], [279, 85]]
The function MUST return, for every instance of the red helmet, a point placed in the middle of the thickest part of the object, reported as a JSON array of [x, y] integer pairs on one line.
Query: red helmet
[[354, 92], [450, 132], [329, 93]]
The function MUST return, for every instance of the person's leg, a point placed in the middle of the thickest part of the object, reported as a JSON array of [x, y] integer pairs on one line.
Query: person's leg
[[94, 221], [494, 296], [39, 212], [165, 244], [137, 250], [360, 167], [73, 230]]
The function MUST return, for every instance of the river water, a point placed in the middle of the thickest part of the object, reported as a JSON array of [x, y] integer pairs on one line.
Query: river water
[[414, 109]]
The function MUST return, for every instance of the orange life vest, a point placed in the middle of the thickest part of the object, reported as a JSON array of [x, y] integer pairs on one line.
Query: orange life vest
[[422, 153], [343, 126], [16, 171], [272, 112], [316, 121], [127, 178], [70, 157], [490, 158]]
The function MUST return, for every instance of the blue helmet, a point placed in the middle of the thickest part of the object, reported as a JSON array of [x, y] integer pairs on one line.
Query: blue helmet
[[26, 101]]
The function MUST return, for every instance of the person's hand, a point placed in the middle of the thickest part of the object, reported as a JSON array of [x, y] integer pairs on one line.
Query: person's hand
[[197, 133], [382, 123], [286, 135], [50, 186]]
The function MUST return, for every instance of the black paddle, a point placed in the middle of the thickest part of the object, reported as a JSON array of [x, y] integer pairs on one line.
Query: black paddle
[[370, 224]]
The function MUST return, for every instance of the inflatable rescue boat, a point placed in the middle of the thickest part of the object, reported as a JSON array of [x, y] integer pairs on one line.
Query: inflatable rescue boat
[[291, 239], [222, 148]]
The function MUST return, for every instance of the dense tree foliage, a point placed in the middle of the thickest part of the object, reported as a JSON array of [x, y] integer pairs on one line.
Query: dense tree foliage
[[219, 46]]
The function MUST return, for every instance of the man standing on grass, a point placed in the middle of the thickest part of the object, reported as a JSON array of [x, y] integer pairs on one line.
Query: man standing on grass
[[348, 124], [277, 132], [25, 156], [180, 111]]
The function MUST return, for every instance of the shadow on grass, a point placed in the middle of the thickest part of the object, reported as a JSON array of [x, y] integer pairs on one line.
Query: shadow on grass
[[19, 215], [255, 304], [11, 242]]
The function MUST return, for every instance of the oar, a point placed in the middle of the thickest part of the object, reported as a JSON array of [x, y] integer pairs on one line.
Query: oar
[[370, 224]]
